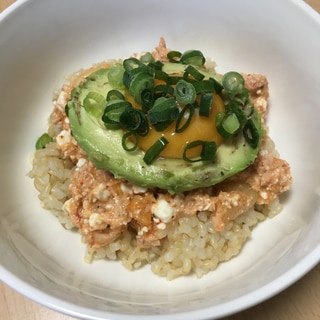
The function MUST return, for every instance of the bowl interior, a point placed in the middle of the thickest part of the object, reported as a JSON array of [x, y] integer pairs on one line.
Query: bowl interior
[[43, 41]]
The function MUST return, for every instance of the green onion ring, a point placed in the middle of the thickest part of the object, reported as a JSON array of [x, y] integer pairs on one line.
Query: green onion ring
[[204, 86], [131, 63], [163, 90], [42, 141], [194, 57], [147, 99], [251, 134], [138, 83], [185, 92], [115, 76], [208, 151], [134, 120], [112, 113], [161, 75], [114, 95], [206, 100], [153, 152], [233, 82], [94, 103], [193, 72], [174, 56], [187, 108], [125, 138], [233, 107], [164, 109], [147, 58]]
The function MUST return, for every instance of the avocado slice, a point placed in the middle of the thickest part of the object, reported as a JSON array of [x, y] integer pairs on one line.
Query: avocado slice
[[104, 146]]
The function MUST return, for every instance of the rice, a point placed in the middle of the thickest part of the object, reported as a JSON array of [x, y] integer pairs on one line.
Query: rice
[[191, 244]]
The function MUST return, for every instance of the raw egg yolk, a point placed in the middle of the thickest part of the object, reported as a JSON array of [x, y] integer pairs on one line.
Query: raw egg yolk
[[200, 128]]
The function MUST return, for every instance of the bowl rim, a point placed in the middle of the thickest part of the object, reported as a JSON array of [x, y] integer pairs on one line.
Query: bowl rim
[[265, 292]]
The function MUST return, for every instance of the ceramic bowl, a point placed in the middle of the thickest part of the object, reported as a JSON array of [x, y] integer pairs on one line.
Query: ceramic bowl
[[42, 41]]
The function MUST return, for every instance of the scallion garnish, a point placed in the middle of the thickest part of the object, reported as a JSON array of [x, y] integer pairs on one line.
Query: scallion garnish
[[131, 63], [194, 57], [138, 83], [134, 120], [237, 110], [228, 125], [206, 100], [233, 82], [184, 118], [42, 141], [147, 99], [153, 152], [163, 110], [193, 72], [114, 95], [251, 133], [94, 103], [204, 86], [165, 98], [147, 58], [115, 76], [127, 143], [163, 90], [174, 56], [185, 92], [112, 113], [208, 150]]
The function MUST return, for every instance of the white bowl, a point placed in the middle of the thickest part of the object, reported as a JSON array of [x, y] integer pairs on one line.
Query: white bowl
[[41, 41]]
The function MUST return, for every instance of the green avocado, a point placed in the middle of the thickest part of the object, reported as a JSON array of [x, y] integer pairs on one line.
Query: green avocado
[[104, 146]]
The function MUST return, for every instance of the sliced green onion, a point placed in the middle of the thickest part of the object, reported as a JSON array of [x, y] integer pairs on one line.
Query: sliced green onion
[[217, 85], [243, 97], [112, 113], [233, 82], [163, 110], [153, 152], [138, 83], [94, 103], [147, 58], [204, 86], [237, 110], [173, 80], [184, 118], [134, 120], [193, 72], [115, 76], [185, 92], [127, 143], [228, 125], [147, 100], [206, 100], [208, 151], [251, 134], [161, 126], [218, 119], [161, 75], [131, 63], [67, 107], [114, 95], [174, 56], [194, 57], [42, 141], [157, 65], [163, 90]]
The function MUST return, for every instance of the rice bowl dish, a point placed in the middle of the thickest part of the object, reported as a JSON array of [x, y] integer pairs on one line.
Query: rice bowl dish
[[47, 271]]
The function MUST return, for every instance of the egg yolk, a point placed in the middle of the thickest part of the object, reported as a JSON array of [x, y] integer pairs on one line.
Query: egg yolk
[[200, 128]]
